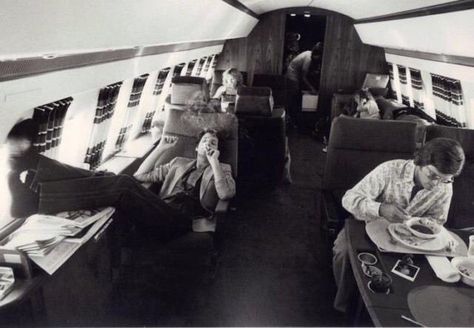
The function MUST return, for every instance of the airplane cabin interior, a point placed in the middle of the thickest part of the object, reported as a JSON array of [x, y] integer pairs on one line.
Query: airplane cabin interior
[[192, 163]]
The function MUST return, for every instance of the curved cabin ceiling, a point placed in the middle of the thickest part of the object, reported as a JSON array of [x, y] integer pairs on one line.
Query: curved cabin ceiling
[[51, 28], [355, 9]]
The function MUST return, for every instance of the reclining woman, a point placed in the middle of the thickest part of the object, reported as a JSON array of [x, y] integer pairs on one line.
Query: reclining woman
[[41, 185]]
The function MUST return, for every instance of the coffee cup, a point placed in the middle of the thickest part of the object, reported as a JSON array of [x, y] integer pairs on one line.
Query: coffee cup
[[380, 283]]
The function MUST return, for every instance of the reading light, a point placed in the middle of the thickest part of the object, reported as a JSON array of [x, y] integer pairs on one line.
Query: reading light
[[292, 14], [306, 14], [49, 56]]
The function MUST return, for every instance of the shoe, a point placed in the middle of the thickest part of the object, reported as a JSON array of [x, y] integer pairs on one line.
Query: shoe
[[325, 149], [204, 225]]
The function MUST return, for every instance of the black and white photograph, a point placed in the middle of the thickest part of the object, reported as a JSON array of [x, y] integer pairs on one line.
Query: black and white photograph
[[405, 270], [235, 163]]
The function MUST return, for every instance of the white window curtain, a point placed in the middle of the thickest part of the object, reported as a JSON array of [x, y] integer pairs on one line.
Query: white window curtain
[[402, 76], [393, 83], [417, 88], [129, 119], [50, 120], [200, 66], [448, 101], [102, 120]]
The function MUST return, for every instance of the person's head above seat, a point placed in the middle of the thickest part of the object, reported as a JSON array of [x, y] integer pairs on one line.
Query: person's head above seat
[[317, 51], [207, 139], [438, 161], [232, 78]]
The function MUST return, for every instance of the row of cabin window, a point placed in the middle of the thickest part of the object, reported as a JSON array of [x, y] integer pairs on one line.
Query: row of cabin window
[[123, 111], [446, 103]]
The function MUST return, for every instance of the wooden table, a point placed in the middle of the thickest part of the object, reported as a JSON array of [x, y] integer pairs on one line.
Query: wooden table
[[386, 310]]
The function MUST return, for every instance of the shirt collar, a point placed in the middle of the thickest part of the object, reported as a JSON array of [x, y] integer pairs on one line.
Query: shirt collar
[[408, 174]]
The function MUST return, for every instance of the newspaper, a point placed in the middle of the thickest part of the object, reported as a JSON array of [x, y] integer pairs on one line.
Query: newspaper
[[49, 241], [65, 249]]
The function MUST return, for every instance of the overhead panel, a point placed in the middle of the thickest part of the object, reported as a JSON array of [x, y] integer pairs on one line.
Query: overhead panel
[[262, 6], [371, 8], [50, 27], [355, 9], [449, 34]]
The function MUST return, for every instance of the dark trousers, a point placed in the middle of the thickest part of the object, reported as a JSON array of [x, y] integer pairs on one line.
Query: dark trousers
[[294, 100], [65, 188]]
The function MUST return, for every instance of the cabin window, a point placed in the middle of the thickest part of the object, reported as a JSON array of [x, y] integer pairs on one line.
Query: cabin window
[[402, 76], [158, 103], [418, 92], [50, 120], [200, 66], [103, 117], [190, 68], [448, 101], [393, 83]]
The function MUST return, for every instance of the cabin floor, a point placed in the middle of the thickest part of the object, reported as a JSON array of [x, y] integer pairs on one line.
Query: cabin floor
[[273, 269]]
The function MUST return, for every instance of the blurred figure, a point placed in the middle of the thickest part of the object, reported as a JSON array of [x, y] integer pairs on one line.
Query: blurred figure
[[303, 74]]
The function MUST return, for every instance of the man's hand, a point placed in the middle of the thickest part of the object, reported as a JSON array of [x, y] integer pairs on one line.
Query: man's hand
[[393, 213], [213, 156]]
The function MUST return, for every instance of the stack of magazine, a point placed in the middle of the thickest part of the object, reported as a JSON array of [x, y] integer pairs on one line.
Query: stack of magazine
[[6, 281], [49, 240]]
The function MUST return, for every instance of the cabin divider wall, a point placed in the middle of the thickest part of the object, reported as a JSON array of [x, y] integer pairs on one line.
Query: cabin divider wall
[[346, 59]]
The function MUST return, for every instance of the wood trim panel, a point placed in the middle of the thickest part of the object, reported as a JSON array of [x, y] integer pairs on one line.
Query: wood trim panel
[[23, 67], [425, 11], [450, 59]]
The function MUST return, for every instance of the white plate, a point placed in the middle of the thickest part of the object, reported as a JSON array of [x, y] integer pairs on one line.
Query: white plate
[[411, 241]]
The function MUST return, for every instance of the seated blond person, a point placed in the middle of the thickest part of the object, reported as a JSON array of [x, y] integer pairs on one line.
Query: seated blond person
[[396, 190], [231, 80], [193, 186]]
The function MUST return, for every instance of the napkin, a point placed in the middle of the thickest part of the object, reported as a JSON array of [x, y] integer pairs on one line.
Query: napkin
[[443, 268]]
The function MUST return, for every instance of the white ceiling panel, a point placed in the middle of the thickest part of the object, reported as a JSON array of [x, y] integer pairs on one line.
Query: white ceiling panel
[[34, 28], [447, 34], [357, 9]]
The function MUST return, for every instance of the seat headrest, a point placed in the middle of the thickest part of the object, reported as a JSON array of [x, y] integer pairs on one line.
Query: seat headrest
[[464, 136], [184, 87], [254, 101], [188, 79]]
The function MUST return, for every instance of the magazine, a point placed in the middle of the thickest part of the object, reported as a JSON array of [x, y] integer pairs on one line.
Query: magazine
[[7, 280]]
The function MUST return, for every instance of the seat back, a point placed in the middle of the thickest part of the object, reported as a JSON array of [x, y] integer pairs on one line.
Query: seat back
[[357, 146], [277, 83], [182, 128], [254, 101], [462, 204], [183, 89], [262, 137]]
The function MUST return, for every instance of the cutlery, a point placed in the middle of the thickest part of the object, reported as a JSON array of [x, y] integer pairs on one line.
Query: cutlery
[[412, 321]]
